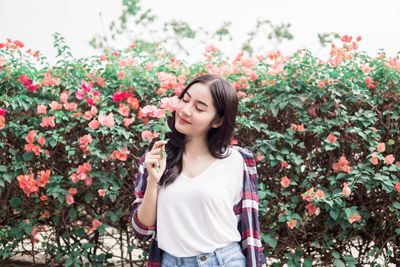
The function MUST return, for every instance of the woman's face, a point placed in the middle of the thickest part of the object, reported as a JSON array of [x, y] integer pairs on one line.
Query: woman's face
[[195, 111]]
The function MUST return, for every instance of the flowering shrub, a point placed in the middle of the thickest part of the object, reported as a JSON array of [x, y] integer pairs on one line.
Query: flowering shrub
[[325, 135]]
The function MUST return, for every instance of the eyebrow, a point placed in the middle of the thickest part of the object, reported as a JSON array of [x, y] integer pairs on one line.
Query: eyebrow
[[199, 101]]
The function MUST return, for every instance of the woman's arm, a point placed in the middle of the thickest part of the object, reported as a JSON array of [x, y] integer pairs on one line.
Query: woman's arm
[[144, 212]]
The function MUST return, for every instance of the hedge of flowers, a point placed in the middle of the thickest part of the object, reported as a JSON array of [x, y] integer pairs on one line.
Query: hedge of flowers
[[325, 134]]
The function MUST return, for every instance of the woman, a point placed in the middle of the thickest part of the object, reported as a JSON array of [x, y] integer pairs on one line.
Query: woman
[[199, 204]]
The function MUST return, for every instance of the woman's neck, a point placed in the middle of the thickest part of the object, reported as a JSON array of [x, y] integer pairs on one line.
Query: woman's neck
[[196, 148]]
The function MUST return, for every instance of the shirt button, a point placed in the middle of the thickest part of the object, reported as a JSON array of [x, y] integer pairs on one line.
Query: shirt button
[[203, 258]]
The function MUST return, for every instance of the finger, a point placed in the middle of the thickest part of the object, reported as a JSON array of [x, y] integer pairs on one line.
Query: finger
[[157, 156], [158, 144], [152, 162], [155, 151]]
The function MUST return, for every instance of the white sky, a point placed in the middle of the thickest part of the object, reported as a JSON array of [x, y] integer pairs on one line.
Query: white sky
[[378, 22]]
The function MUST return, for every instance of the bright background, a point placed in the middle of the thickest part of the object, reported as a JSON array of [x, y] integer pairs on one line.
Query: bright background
[[33, 22]]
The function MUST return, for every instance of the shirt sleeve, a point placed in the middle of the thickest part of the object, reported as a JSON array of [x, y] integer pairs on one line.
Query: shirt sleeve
[[141, 231], [247, 213]]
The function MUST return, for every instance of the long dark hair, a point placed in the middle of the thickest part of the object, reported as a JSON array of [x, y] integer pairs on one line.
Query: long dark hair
[[225, 101]]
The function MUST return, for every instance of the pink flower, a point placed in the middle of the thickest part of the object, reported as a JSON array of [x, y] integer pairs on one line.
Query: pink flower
[[71, 106], [381, 147], [95, 225], [148, 110], [107, 120], [365, 69], [49, 80], [320, 194], [41, 140], [94, 124], [167, 80], [93, 110], [397, 187], [48, 122], [100, 81], [159, 113], [312, 209], [84, 143], [79, 95], [331, 138], [85, 167], [28, 184], [346, 190], [292, 223], [54, 105], [122, 156], [169, 103], [32, 148], [149, 66], [74, 178], [346, 38], [374, 159], [64, 97], [30, 137], [102, 58], [88, 181], [41, 109], [86, 87], [321, 84], [121, 75], [90, 101], [354, 218], [149, 135], [128, 122], [284, 164], [2, 112], [285, 181], [25, 80], [123, 110], [389, 159], [260, 156], [308, 195], [102, 192], [88, 115], [72, 191], [69, 199]]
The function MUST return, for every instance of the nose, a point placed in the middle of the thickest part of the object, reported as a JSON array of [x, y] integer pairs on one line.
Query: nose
[[185, 108]]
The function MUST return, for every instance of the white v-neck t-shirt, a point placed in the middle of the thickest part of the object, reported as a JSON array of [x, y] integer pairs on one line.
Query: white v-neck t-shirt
[[195, 215]]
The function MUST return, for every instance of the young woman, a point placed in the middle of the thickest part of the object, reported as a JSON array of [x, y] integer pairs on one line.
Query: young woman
[[199, 204]]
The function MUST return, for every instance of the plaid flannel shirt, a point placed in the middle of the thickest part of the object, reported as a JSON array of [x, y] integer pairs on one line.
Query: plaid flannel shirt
[[246, 211]]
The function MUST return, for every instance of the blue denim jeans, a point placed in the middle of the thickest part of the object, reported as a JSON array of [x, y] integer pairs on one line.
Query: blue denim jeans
[[230, 255]]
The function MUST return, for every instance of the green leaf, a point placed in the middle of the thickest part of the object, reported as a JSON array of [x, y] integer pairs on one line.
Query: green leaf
[[334, 214], [270, 240], [307, 263], [338, 263], [28, 229], [27, 156], [15, 202], [396, 205], [72, 214]]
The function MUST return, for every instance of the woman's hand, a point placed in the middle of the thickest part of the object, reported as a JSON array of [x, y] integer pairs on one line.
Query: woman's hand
[[156, 161]]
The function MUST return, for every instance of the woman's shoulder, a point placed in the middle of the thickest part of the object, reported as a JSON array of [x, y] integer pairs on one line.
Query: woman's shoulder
[[246, 153]]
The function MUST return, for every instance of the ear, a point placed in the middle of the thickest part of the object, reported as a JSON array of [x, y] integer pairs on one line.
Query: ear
[[217, 123]]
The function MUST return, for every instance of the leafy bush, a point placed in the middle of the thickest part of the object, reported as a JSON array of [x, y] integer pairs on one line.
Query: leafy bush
[[325, 134]]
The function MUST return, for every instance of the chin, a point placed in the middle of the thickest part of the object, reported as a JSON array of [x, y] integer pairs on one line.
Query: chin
[[179, 128]]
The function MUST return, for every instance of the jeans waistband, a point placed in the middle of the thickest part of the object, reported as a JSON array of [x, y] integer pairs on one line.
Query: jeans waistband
[[220, 254]]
